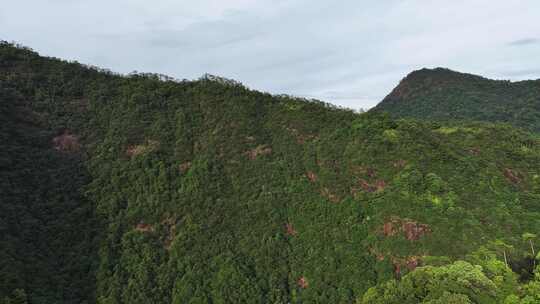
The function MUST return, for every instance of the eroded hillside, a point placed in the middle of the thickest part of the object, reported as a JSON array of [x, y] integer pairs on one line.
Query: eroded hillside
[[149, 190]]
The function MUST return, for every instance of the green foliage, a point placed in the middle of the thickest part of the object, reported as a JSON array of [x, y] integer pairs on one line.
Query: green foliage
[[528, 293], [18, 297], [144, 189], [453, 283], [444, 95]]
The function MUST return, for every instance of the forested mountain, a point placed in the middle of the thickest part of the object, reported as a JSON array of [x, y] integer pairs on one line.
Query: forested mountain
[[145, 189], [444, 95]]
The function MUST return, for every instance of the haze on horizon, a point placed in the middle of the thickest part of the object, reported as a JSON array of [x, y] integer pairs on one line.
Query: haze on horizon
[[349, 53]]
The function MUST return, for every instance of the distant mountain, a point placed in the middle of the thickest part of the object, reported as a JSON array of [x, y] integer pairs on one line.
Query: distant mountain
[[444, 95], [144, 189]]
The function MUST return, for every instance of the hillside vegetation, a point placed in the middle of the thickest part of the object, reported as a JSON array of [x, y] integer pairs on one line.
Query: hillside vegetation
[[144, 189], [444, 95]]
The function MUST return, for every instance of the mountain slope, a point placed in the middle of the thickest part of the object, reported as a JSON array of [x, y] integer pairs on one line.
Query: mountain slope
[[208, 192], [442, 94]]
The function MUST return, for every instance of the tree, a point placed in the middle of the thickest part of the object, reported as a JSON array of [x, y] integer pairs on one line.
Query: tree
[[18, 297], [460, 282], [502, 247], [529, 237], [528, 293]]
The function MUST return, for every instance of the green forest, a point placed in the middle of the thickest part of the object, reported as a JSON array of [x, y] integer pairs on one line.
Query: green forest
[[447, 96], [142, 188]]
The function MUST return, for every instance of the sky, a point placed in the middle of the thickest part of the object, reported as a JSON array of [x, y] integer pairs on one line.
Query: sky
[[350, 53]]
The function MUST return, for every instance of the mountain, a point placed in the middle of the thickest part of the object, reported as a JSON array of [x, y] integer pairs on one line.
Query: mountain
[[144, 189], [444, 95]]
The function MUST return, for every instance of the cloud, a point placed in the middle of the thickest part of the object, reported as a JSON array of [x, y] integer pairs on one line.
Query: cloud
[[205, 35], [525, 41], [531, 72], [350, 53]]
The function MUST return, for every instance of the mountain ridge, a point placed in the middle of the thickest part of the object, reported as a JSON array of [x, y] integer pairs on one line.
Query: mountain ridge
[[443, 94], [131, 189]]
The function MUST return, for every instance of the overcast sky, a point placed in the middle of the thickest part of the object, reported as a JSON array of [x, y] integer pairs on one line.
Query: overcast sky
[[347, 52]]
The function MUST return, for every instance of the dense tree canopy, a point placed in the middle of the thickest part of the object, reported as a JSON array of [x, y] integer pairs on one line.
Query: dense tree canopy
[[444, 95], [145, 189]]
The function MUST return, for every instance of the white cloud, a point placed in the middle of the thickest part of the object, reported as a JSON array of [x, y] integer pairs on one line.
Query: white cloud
[[349, 52]]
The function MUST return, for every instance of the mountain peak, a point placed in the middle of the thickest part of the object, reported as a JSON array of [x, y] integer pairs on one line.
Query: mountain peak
[[442, 74], [136, 189], [419, 80], [441, 93]]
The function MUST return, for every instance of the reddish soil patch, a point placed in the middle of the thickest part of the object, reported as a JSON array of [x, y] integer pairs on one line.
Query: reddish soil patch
[[388, 229], [142, 227], [260, 150], [303, 283], [378, 186], [366, 186], [412, 230], [170, 225], [330, 196], [289, 230], [397, 269], [311, 176], [402, 91], [513, 176], [184, 167], [301, 138], [364, 170], [412, 263], [474, 151], [66, 143], [370, 172]]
